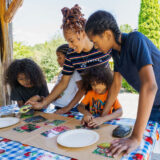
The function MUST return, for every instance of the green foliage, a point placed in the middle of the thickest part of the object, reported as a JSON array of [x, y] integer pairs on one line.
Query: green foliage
[[44, 54], [149, 20], [48, 58], [127, 86], [126, 28], [21, 51]]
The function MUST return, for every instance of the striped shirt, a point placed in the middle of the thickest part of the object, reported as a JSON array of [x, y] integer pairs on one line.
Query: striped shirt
[[84, 60]]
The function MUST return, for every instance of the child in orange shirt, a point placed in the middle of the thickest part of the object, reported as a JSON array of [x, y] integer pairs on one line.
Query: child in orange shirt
[[96, 82]]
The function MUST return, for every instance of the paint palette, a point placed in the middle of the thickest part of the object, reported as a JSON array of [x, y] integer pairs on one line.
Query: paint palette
[[25, 108]]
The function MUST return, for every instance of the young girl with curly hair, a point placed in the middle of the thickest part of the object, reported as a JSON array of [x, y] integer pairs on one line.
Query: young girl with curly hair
[[81, 55], [96, 82], [26, 80]]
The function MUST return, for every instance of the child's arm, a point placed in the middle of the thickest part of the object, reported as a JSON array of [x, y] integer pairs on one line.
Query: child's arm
[[100, 120], [113, 92], [87, 115], [57, 90], [74, 101]]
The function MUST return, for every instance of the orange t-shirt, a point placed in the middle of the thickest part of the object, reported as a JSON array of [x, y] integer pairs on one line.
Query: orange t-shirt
[[96, 102]]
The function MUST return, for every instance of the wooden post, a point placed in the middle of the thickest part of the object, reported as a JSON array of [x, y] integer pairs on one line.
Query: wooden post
[[6, 48], [13, 7]]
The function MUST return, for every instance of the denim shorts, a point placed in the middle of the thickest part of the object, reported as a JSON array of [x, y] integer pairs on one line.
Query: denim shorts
[[155, 114]]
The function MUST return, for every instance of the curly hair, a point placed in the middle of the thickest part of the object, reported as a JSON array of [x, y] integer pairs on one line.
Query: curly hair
[[73, 19], [101, 21], [63, 49], [98, 74], [27, 67]]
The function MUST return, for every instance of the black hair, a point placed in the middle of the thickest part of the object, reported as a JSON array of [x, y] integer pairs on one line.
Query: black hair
[[98, 74], [101, 21], [73, 19], [27, 67], [63, 49]]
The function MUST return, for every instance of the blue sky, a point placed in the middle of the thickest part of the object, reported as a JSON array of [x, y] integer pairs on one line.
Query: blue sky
[[38, 21]]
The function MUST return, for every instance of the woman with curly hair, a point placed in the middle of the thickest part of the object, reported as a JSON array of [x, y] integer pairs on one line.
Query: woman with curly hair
[[26, 80], [81, 55], [96, 82]]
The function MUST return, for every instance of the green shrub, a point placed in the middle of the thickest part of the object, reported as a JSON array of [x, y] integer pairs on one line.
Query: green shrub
[[126, 28], [149, 20], [21, 51], [43, 54]]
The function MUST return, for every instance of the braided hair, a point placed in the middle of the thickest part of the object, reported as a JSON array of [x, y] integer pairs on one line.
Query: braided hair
[[101, 21], [73, 19]]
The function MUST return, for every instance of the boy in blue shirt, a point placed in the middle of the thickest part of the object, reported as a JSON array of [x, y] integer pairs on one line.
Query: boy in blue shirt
[[136, 59]]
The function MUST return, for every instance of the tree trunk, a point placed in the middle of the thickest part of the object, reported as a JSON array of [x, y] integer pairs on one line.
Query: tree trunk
[[6, 48]]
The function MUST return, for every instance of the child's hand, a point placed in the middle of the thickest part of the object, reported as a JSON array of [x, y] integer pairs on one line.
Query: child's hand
[[95, 122], [63, 110], [86, 119]]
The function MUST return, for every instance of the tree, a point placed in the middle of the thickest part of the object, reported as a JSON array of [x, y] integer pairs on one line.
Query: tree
[[45, 56], [126, 28], [21, 51], [149, 20]]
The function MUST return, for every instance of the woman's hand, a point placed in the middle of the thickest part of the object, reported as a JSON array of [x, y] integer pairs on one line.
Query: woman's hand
[[36, 105], [33, 99], [95, 122], [125, 145]]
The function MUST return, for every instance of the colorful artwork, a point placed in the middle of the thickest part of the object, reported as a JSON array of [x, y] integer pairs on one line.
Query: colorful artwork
[[35, 119], [25, 108], [27, 127], [54, 122], [101, 149], [55, 131]]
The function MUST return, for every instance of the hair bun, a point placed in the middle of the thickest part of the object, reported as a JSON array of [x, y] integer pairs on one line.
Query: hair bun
[[73, 18]]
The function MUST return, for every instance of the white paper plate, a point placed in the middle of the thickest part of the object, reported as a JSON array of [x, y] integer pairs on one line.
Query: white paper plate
[[78, 138], [8, 121]]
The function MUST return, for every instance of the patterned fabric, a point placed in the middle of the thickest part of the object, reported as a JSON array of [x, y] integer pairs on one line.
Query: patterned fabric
[[10, 109], [12, 150], [75, 115]]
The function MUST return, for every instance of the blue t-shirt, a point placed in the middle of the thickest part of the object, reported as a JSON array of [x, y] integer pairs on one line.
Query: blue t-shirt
[[137, 51]]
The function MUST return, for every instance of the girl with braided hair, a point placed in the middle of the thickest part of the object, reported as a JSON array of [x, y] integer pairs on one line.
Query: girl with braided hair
[[81, 55], [137, 59]]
